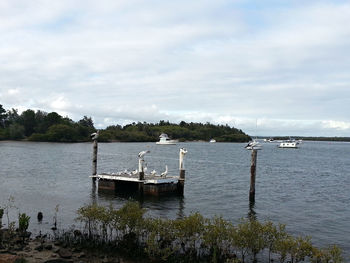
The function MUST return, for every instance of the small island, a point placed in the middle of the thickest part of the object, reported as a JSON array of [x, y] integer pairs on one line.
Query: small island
[[51, 127]]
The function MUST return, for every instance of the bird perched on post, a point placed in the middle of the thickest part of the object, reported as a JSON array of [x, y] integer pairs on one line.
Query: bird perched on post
[[94, 135], [142, 154]]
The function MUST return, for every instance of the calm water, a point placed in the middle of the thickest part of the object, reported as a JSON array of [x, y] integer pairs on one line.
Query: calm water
[[306, 188]]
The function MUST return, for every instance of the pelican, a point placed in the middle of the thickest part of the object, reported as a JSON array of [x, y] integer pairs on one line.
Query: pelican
[[141, 154], [94, 135], [164, 174], [183, 150]]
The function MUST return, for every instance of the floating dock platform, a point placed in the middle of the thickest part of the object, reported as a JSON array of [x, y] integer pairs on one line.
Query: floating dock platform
[[138, 181], [150, 185]]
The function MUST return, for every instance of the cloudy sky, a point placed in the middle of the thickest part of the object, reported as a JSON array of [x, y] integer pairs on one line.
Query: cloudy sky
[[267, 67]]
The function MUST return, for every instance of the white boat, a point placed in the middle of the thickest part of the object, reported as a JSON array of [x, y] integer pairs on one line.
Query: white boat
[[289, 144], [253, 145], [212, 140], [165, 140]]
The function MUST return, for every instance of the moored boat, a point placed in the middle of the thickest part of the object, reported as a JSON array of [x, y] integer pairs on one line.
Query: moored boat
[[289, 144], [165, 140]]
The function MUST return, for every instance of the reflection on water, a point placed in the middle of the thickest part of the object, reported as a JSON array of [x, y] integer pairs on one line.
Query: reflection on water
[[251, 212], [154, 204]]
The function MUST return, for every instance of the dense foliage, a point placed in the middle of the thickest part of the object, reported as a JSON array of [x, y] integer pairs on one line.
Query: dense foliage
[[139, 132], [42, 126], [195, 238]]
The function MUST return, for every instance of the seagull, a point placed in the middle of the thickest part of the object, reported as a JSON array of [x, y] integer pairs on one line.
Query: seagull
[[135, 172], [164, 174], [141, 154], [94, 135], [153, 172]]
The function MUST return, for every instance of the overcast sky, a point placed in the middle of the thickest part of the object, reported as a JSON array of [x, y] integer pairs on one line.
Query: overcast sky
[[266, 67]]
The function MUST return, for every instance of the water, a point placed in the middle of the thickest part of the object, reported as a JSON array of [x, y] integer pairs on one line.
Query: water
[[307, 189]]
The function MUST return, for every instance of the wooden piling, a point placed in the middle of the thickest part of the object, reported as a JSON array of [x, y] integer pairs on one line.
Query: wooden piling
[[142, 175], [182, 175], [252, 176], [94, 160], [181, 182]]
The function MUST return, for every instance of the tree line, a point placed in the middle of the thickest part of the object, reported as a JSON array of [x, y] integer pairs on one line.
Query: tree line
[[42, 126], [52, 127]]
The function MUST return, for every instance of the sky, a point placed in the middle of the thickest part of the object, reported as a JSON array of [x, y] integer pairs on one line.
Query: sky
[[266, 67]]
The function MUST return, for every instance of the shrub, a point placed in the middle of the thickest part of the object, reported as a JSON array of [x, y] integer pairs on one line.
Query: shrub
[[23, 222]]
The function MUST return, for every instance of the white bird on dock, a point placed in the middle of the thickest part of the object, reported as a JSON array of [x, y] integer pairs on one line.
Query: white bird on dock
[[164, 174], [153, 172], [94, 135], [135, 172], [142, 154]]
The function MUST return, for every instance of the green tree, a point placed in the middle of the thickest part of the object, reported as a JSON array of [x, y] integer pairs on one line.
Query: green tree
[[3, 116], [62, 133], [52, 118], [16, 131], [87, 122], [12, 117], [28, 121]]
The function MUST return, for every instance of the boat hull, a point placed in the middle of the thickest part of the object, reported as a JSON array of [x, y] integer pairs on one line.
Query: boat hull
[[288, 145], [166, 143]]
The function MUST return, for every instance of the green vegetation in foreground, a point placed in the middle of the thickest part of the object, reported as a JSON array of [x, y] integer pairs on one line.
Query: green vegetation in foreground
[[52, 127], [193, 238]]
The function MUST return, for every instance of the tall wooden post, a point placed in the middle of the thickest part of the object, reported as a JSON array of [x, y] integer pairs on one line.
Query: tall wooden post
[[94, 160], [252, 176], [181, 183], [141, 170]]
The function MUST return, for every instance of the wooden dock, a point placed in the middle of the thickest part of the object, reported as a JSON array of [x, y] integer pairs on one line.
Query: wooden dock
[[138, 181], [150, 185]]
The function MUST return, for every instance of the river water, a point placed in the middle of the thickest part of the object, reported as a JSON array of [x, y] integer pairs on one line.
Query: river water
[[307, 188]]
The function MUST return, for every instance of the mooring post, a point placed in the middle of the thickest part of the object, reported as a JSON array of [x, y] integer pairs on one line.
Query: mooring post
[[181, 183], [141, 171], [94, 137], [252, 176], [141, 161]]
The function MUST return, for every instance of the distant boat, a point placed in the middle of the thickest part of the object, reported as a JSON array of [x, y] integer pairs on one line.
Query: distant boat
[[165, 140], [253, 145], [291, 143], [212, 140]]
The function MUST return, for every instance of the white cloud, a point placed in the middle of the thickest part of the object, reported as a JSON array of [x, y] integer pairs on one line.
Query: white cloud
[[215, 61], [337, 125]]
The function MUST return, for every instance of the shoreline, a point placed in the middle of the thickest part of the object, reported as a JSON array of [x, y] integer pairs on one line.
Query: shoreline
[[43, 250]]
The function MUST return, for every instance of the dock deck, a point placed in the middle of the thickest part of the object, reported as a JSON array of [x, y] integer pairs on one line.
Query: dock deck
[[150, 185], [148, 179]]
